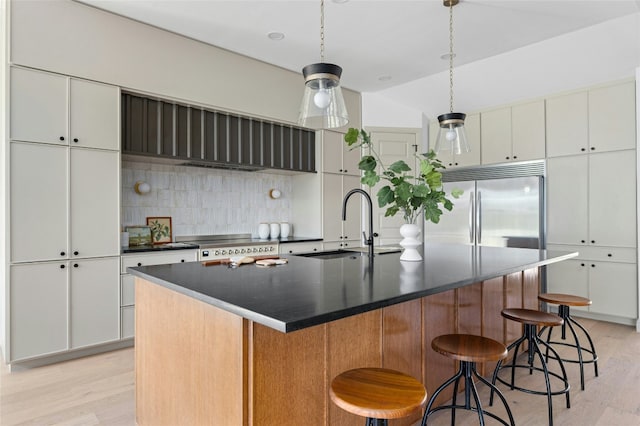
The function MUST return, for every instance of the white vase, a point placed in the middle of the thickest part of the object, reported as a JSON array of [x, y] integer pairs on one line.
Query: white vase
[[274, 231], [263, 231], [285, 229], [410, 242]]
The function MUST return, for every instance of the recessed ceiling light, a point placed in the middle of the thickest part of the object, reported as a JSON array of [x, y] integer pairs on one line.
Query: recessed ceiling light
[[384, 78], [275, 35], [445, 57]]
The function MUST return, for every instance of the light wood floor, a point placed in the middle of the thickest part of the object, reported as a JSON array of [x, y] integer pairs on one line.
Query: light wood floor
[[99, 390]]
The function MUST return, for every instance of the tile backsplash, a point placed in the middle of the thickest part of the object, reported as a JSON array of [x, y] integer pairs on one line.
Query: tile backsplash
[[204, 201]]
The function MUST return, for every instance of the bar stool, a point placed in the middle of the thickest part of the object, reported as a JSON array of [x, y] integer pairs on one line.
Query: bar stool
[[468, 349], [531, 319], [378, 394], [564, 301]]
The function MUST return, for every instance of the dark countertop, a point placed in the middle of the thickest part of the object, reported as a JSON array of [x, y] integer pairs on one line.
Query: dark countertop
[[311, 291]]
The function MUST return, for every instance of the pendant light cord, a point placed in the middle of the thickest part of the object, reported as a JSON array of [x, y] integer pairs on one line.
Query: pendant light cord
[[451, 56], [321, 30]]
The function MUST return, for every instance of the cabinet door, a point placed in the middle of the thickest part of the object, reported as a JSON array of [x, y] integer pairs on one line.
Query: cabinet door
[[471, 158], [613, 289], [570, 277], [612, 117], [95, 211], [94, 309], [496, 136], [351, 228], [332, 147], [94, 118], [39, 199], [38, 318], [612, 198], [567, 124], [332, 207], [528, 129], [38, 107], [567, 200]]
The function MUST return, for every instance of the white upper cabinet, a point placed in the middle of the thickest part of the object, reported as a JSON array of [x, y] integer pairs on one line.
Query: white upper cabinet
[[513, 134], [612, 117], [95, 211], [591, 199], [336, 155], [67, 111], [597, 120], [39, 198], [94, 118], [471, 158], [38, 107]]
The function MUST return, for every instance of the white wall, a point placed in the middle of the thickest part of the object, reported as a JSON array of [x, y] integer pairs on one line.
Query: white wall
[[204, 201], [602, 53]]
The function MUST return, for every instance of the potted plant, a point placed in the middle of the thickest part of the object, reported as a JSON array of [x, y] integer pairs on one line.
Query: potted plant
[[413, 194]]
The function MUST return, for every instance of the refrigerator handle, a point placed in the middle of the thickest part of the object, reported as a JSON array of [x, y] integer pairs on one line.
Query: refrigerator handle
[[472, 223], [479, 218]]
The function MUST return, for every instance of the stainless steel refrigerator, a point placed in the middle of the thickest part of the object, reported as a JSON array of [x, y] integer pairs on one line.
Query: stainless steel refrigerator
[[502, 205]]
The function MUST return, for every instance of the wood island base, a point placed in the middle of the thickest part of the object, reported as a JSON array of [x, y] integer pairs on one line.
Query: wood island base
[[197, 364]]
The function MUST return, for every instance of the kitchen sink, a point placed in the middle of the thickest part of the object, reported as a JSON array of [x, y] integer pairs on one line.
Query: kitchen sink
[[353, 253], [332, 254]]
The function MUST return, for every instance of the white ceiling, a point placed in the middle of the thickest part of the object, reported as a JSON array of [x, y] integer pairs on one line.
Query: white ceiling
[[402, 40]]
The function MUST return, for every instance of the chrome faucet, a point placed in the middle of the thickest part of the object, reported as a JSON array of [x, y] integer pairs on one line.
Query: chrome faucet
[[367, 240]]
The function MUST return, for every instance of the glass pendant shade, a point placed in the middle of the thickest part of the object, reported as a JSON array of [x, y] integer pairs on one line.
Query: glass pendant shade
[[322, 103], [452, 137]]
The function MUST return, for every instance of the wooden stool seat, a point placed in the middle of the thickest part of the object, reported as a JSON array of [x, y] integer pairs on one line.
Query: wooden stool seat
[[564, 299], [532, 317], [377, 393], [467, 347]]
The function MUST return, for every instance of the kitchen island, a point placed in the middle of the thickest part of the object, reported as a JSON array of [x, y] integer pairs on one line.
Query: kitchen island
[[259, 346]]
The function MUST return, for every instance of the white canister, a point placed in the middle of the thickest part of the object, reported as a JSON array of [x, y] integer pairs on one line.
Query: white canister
[[274, 231], [263, 231], [285, 229], [124, 239]]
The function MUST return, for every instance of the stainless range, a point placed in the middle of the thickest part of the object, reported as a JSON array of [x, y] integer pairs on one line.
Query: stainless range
[[213, 247]]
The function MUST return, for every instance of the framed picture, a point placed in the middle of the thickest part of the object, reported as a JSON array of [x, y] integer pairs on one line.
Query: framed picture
[[160, 229], [139, 235]]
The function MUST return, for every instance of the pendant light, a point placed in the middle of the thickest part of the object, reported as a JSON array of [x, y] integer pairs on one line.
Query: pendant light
[[451, 137], [322, 104]]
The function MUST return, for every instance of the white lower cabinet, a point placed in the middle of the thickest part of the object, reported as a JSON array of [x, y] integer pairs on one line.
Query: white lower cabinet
[[58, 306], [607, 276], [38, 309], [94, 301], [303, 247], [127, 281]]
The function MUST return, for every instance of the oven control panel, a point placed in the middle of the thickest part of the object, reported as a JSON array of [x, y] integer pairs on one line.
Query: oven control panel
[[231, 251]]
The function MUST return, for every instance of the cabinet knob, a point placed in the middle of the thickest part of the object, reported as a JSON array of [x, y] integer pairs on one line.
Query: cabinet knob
[[139, 264], [593, 241], [593, 265], [609, 255], [506, 158], [450, 164], [455, 164], [583, 149], [315, 249], [62, 253], [61, 138], [582, 264], [345, 170], [340, 170], [290, 251], [582, 241], [75, 139], [75, 265], [75, 253], [182, 260], [61, 266], [515, 156], [593, 148]]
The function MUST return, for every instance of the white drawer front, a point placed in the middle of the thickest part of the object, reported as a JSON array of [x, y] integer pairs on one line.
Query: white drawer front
[[127, 290], [291, 248], [147, 259], [127, 322], [587, 252]]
